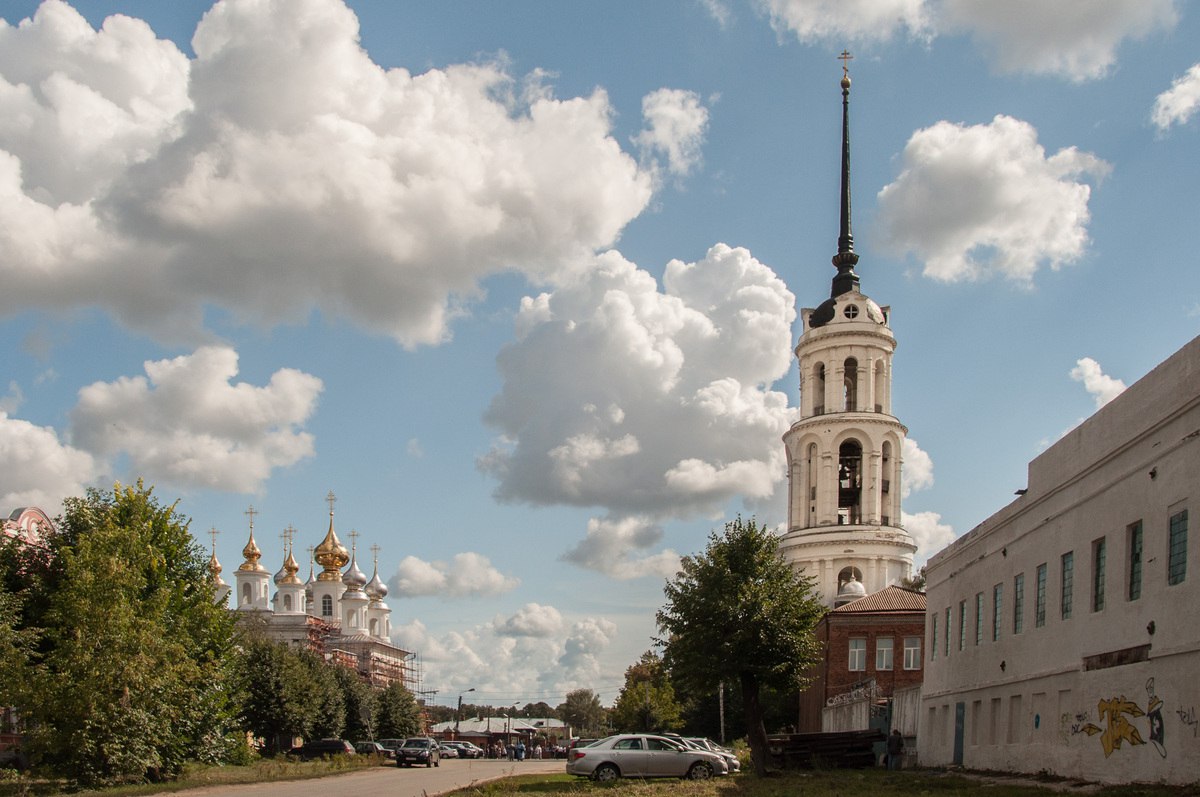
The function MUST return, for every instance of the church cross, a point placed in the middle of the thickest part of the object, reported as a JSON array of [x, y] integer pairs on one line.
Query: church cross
[[212, 533], [354, 535], [331, 498], [251, 512], [845, 58], [375, 551]]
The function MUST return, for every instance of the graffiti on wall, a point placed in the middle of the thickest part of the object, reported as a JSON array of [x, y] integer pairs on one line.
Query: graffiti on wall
[[1114, 713], [1117, 719], [1188, 717]]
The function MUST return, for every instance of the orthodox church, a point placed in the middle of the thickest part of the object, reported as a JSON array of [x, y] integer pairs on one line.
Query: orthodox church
[[342, 615], [844, 453]]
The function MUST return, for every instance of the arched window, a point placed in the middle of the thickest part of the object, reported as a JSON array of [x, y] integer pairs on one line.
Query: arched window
[[327, 606], [850, 483], [810, 493], [882, 399], [287, 603], [885, 487], [819, 389], [374, 627], [850, 385], [245, 594]]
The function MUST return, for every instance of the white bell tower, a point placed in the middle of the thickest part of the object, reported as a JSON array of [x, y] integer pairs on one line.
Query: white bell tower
[[844, 453]]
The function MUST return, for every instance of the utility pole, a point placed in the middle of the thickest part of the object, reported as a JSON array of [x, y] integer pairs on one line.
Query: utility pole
[[458, 711]]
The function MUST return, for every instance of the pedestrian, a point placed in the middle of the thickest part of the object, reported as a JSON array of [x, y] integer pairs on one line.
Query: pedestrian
[[895, 749]]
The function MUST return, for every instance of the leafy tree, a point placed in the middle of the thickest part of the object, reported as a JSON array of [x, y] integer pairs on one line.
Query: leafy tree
[[130, 680], [399, 714], [16, 646], [540, 709], [916, 581], [582, 711], [647, 700], [740, 614], [359, 703], [277, 698]]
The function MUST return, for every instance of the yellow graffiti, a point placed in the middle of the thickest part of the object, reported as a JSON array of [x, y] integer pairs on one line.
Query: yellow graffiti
[[1119, 729]]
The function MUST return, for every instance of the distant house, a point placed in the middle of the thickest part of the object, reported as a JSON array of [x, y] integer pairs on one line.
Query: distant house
[[1064, 631], [873, 646]]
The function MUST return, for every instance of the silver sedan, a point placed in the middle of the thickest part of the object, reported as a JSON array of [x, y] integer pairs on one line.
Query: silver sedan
[[643, 756]]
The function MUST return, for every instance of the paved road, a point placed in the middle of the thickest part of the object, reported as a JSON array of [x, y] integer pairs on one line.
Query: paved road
[[388, 781]]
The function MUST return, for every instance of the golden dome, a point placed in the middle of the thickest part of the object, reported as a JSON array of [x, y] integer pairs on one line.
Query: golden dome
[[331, 555], [287, 575], [252, 554]]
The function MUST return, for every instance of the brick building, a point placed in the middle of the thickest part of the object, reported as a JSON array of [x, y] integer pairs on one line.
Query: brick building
[[872, 647]]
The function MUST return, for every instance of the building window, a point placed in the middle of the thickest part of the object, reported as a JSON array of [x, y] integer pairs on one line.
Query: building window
[[947, 648], [962, 624], [1040, 607], [912, 652], [1099, 557], [997, 610], [1135, 561], [1068, 583], [326, 606], [978, 617], [883, 653], [1018, 603], [858, 655], [1177, 551], [933, 637]]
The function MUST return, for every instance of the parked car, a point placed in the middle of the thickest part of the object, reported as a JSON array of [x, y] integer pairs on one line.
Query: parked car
[[391, 745], [371, 748], [643, 756], [322, 748], [447, 750], [735, 764], [419, 750], [467, 749]]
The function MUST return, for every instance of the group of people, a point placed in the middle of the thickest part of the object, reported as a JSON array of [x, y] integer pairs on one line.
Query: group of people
[[515, 752]]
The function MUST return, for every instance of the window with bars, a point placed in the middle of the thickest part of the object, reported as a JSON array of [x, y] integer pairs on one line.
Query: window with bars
[[1068, 583], [1099, 562], [997, 610], [946, 650], [1177, 549], [1018, 603], [933, 636], [978, 617], [1040, 599], [962, 624], [1135, 560]]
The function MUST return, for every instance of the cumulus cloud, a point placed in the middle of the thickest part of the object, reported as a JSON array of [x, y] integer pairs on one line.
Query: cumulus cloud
[[917, 470], [928, 532], [282, 170], [617, 547], [855, 20], [185, 423], [492, 659], [12, 400], [973, 201], [611, 382], [532, 619], [466, 575], [39, 469], [1075, 39], [1103, 388], [1178, 104], [675, 127]]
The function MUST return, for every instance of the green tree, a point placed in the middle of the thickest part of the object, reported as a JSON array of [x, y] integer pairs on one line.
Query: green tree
[[647, 700], [130, 680], [16, 646], [360, 705], [399, 714], [582, 711], [740, 614]]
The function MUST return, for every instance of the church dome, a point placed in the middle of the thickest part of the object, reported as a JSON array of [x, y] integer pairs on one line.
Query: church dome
[[331, 555], [851, 590], [354, 579], [376, 590], [287, 574], [251, 554], [214, 567]]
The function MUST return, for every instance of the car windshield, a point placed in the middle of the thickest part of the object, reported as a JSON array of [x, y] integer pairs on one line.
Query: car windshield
[[417, 743]]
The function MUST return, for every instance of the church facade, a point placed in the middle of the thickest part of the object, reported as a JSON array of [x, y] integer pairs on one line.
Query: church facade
[[340, 615]]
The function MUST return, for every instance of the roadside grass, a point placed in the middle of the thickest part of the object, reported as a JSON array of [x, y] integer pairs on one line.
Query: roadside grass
[[818, 783]]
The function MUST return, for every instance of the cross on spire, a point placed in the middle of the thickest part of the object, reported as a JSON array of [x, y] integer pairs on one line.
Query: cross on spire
[[251, 512], [212, 533], [845, 58], [354, 535], [332, 499], [375, 551], [290, 534]]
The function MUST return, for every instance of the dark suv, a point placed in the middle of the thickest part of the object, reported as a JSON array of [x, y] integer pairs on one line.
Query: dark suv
[[321, 748], [419, 750]]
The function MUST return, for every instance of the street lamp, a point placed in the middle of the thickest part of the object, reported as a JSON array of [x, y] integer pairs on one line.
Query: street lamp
[[458, 713]]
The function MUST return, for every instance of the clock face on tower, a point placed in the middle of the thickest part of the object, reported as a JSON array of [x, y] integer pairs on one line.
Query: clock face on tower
[[851, 311]]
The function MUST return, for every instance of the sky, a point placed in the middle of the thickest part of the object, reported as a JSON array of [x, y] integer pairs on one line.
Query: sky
[[518, 282]]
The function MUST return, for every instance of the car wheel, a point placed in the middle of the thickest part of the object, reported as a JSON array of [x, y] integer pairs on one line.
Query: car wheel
[[700, 771], [606, 773]]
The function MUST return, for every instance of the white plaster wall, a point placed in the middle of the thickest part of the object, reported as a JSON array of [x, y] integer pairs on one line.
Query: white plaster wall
[[1029, 703]]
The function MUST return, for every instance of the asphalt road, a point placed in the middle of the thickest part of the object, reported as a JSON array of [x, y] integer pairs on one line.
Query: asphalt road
[[389, 781]]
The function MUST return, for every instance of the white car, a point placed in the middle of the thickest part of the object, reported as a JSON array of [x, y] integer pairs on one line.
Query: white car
[[735, 764], [642, 755]]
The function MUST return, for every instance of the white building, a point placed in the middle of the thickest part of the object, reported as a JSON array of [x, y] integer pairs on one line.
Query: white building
[[1064, 631], [844, 453], [341, 615]]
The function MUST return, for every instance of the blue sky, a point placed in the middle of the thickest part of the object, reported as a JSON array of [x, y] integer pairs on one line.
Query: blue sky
[[518, 282]]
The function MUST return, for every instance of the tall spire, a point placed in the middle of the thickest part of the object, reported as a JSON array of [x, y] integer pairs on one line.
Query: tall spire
[[845, 259]]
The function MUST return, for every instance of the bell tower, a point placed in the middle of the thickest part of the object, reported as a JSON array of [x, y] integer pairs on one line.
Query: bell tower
[[844, 453]]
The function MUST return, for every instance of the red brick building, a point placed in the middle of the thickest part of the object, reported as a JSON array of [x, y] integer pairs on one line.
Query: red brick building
[[872, 647]]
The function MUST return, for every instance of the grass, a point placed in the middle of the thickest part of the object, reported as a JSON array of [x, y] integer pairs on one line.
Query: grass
[[819, 783]]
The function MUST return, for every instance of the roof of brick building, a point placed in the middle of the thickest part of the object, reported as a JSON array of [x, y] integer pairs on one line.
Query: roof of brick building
[[889, 599]]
